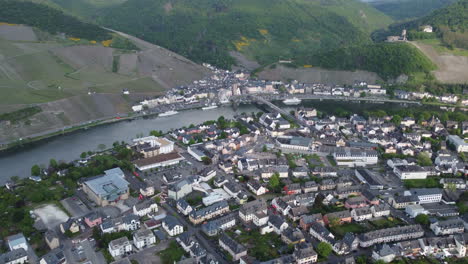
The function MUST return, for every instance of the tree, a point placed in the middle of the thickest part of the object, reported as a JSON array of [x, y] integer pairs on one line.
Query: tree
[[35, 170], [396, 120], [53, 163], [206, 160], [15, 179], [274, 182], [264, 148], [422, 219], [424, 159], [362, 94], [324, 249]]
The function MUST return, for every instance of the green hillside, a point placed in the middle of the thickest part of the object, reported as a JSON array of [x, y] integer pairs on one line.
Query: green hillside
[[49, 19], [263, 30], [406, 9]]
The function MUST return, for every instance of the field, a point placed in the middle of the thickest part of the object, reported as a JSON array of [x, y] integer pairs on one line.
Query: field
[[51, 215], [341, 230], [452, 65]]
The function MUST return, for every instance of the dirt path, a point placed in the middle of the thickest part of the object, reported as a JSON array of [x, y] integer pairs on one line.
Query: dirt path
[[451, 68]]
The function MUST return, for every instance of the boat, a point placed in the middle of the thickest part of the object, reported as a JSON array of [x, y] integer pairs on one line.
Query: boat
[[209, 107], [292, 101], [169, 113]]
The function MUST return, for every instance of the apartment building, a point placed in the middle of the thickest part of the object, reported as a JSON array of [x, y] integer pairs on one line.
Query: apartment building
[[393, 234]]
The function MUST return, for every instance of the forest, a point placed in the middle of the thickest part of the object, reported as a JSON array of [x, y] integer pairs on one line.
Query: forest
[[49, 19]]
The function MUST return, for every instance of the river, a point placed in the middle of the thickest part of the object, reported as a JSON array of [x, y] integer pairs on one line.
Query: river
[[69, 147]]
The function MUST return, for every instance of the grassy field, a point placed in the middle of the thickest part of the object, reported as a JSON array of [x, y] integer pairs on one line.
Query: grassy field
[[441, 49], [386, 223], [341, 230]]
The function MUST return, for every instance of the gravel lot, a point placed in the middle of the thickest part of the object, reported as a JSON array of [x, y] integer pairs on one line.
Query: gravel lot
[[51, 215]]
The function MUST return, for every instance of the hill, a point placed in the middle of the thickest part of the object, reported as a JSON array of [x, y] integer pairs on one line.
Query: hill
[[408, 9], [262, 30]]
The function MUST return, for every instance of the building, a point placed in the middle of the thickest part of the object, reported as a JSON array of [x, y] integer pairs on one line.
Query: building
[[183, 207], [152, 146], [179, 189], [256, 187], [214, 227], [235, 249], [143, 238], [361, 214], [448, 227], [340, 217], [172, 226], [52, 239], [55, 256], [355, 157], [17, 241], [162, 160], [145, 208], [380, 210], [294, 144], [410, 172], [209, 212], [415, 210], [460, 144], [427, 195], [393, 234], [369, 178], [120, 247], [16, 256], [107, 189], [304, 253], [401, 202], [384, 253], [247, 211], [93, 219]]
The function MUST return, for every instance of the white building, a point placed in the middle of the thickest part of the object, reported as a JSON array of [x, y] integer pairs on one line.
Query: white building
[[448, 227], [460, 144], [415, 210], [145, 208], [355, 157], [17, 256], [410, 172], [427, 195], [17, 241], [143, 238], [120, 247], [172, 226]]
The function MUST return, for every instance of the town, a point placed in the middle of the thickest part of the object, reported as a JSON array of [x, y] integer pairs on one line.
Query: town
[[297, 186]]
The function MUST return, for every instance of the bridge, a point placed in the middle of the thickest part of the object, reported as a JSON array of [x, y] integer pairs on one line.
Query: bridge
[[285, 113]]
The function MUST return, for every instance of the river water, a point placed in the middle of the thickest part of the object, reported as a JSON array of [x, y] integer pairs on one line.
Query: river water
[[69, 147]]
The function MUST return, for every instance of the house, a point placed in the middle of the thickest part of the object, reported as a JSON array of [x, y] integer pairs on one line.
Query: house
[[107, 189], [16, 256], [69, 226], [183, 207], [356, 202], [52, 239], [307, 220], [380, 210], [172, 226], [93, 219], [145, 208], [304, 253], [277, 223], [256, 187], [353, 157], [143, 238], [120, 247], [384, 253], [128, 222], [294, 188], [247, 211], [310, 186], [401, 202], [214, 227], [340, 217], [235, 249], [448, 227], [361, 214], [453, 183], [55, 256], [296, 212], [209, 212], [292, 236]]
